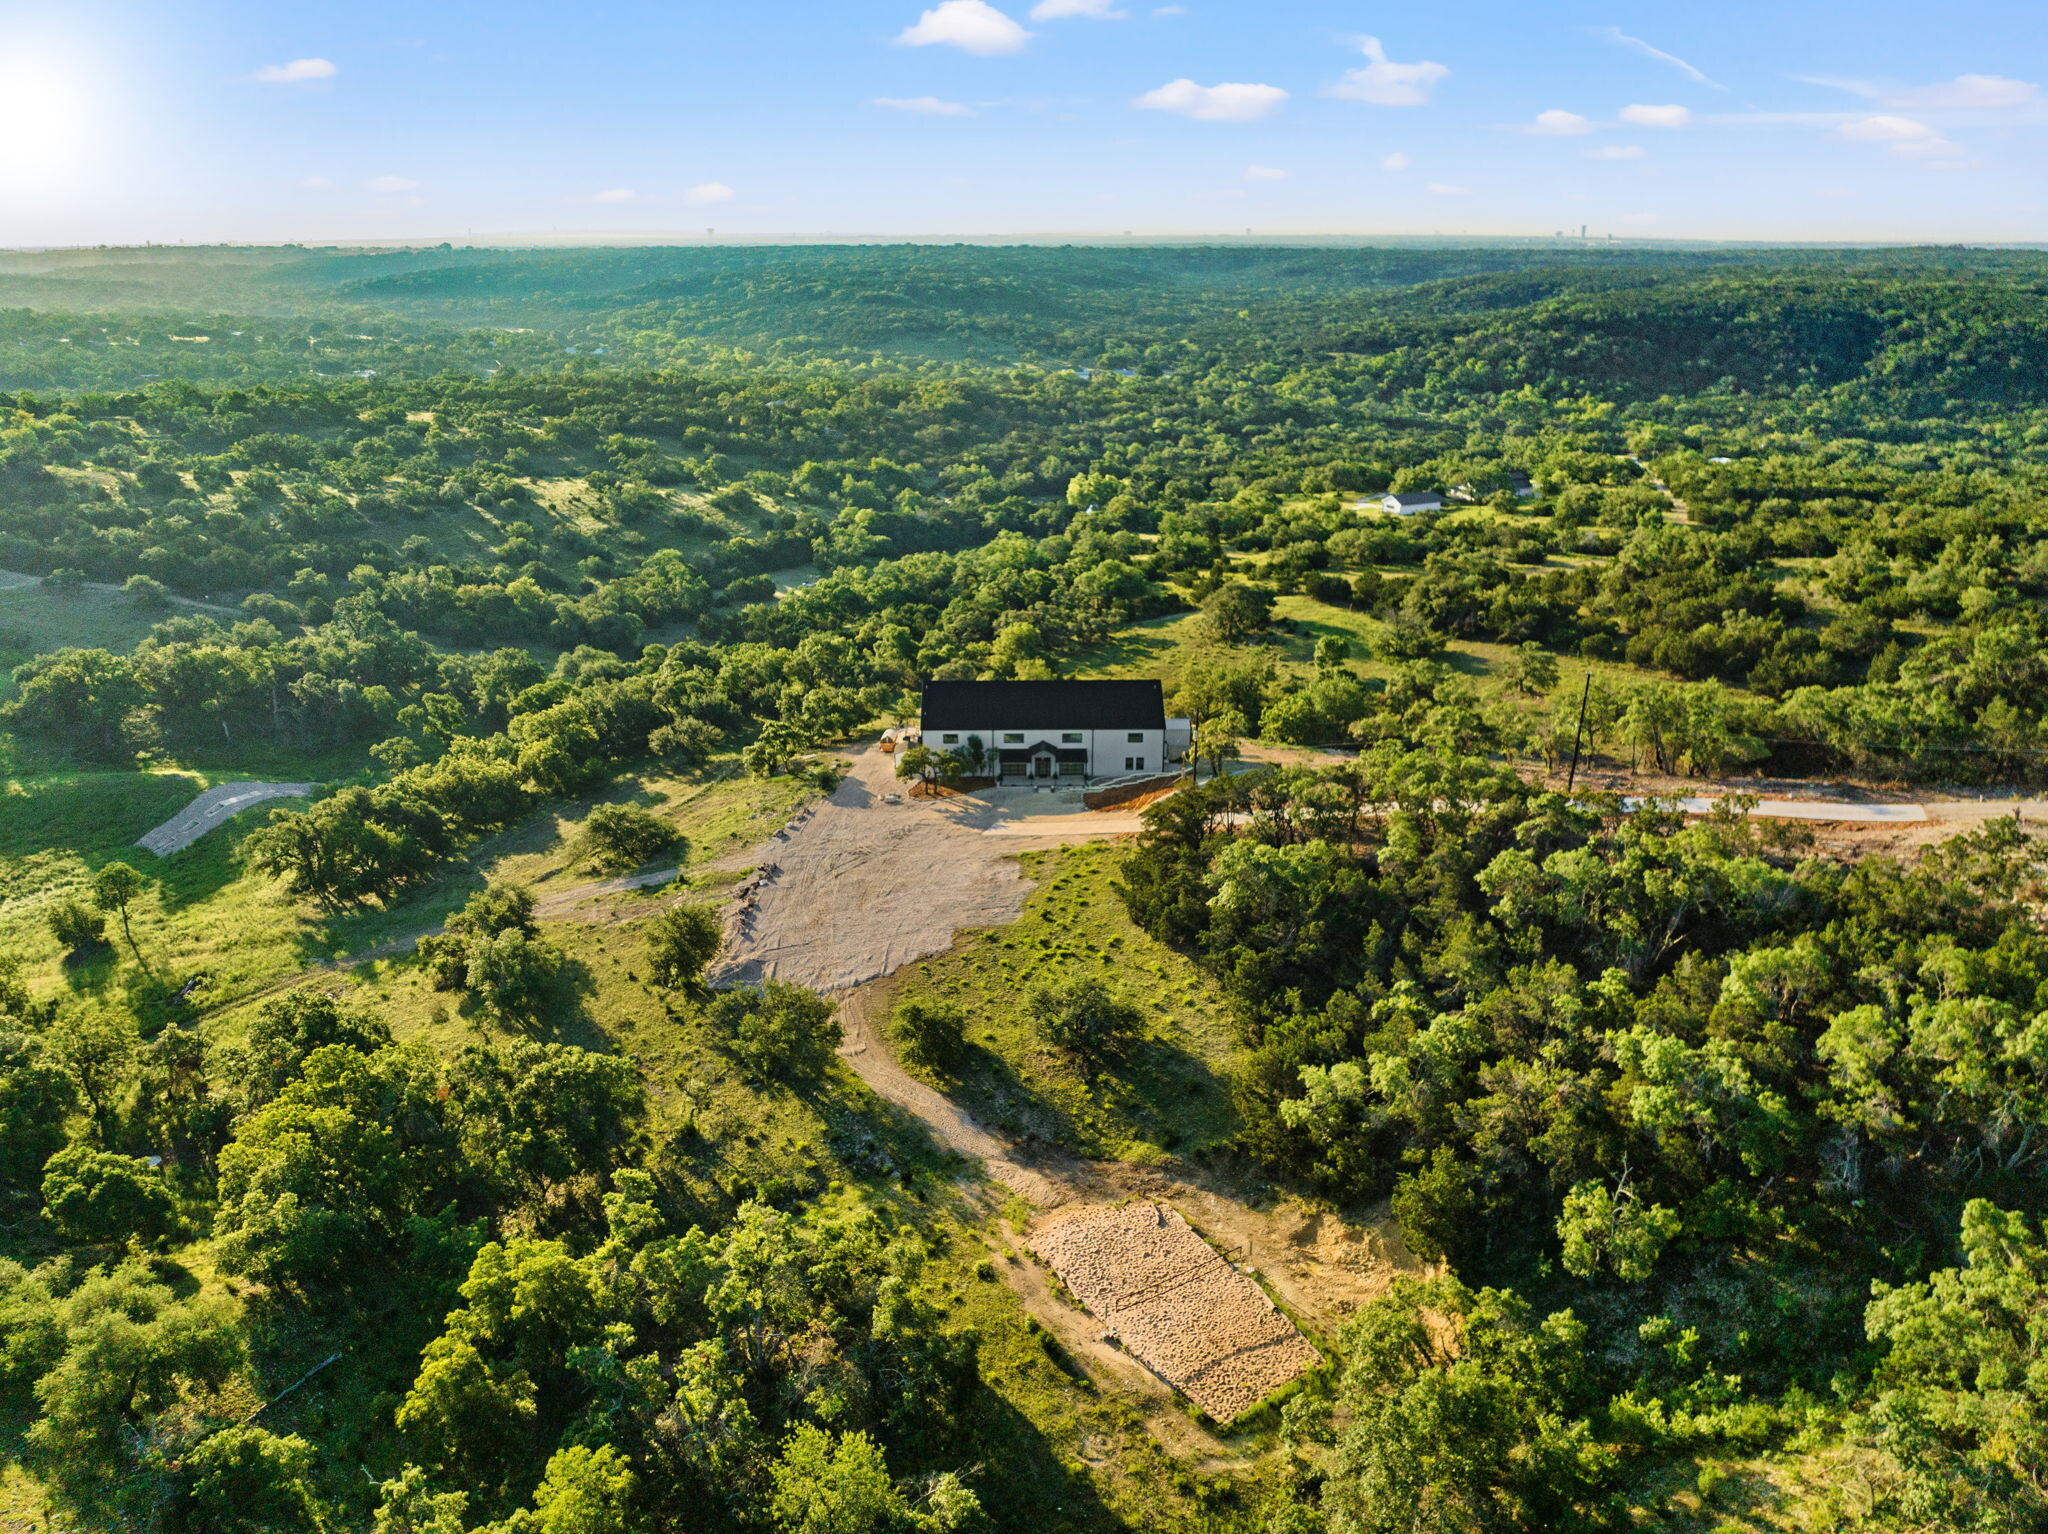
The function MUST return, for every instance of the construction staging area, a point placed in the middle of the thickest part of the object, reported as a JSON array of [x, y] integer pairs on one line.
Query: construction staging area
[[1175, 1303]]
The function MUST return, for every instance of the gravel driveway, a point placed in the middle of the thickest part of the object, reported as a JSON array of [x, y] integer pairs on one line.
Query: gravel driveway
[[870, 880]]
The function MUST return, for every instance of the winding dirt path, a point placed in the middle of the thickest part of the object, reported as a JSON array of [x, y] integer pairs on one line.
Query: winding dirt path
[[853, 889]]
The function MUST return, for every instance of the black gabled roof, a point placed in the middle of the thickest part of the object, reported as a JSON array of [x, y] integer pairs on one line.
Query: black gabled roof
[[1043, 706]]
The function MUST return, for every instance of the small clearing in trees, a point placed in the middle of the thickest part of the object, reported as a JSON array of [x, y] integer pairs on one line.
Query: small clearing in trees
[[1175, 1303]]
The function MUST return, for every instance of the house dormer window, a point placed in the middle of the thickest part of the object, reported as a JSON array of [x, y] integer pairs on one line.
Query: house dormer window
[[1013, 739], [1070, 738]]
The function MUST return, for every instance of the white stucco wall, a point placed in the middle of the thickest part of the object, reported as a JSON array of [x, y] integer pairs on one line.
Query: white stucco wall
[[1107, 749]]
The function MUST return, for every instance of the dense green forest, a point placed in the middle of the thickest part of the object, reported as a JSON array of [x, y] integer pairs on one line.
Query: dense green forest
[[347, 1184]]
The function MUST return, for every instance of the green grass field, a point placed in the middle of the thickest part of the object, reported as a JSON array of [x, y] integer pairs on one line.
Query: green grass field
[[209, 918], [1172, 1096], [35, 619]]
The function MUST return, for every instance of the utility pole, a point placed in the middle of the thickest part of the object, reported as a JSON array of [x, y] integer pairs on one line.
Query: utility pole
[[1579, 733]]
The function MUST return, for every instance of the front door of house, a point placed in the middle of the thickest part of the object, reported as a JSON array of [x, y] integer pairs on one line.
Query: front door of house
[[1042, 765]]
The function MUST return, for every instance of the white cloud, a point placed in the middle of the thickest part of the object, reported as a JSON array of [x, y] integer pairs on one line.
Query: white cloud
[[710, 191], [973, 26], [1886, 130], [1387, 84], [1656, 117], [1226, 103], [615, 194], [1929, 149], [1265, 173], [1445, 189], [1616, 35], [1556, 123], [1963, 93], [393, 184], [1618, 152], [1059, 10], [1397, 161], [315, 183], [928, 106], [297, 72], [1903, 135], [1970, 91]]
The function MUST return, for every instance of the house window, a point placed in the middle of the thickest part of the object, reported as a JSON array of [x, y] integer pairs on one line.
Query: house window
[[1136, 737], [1071, 738], [1134, 764], [950, 740], [1013, 740]]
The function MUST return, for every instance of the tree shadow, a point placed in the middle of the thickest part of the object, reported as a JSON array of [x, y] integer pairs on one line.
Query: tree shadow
[[195, 874], [1171, 1095], [1464, 663], [91, 971], [1028, 1483], [999, 1098]]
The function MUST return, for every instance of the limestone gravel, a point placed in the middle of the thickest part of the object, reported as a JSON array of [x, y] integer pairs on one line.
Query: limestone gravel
[[1175, 1303]]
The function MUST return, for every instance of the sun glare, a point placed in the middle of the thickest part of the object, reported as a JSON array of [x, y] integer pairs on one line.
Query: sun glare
[[45, 120]]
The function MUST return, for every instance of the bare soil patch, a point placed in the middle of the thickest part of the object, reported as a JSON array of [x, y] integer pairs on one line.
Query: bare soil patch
[[871, 879], [1180, 1307]]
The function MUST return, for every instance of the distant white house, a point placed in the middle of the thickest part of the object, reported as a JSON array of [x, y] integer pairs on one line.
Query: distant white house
[[1412, 502], [1523, 487]]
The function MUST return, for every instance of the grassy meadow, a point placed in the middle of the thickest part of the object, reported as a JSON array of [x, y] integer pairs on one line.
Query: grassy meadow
[[1172, 1097]]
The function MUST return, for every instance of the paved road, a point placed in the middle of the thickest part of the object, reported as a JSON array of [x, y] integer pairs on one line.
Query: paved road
[[216, 805]]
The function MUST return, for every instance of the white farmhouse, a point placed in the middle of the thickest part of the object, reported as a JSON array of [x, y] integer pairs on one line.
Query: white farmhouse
[[1409, 504], [1049, 733]]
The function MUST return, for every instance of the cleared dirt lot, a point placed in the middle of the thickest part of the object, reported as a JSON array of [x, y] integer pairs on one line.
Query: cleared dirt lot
[[1173, 1300], [871, 879]]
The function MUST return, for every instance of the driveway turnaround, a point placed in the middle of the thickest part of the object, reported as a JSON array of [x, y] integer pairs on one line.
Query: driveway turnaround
[[217, 804]]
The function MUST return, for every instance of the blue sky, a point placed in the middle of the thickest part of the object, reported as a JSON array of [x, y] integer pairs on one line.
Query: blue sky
[[232, 119]]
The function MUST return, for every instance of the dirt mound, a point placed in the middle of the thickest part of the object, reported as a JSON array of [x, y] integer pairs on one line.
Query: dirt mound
[[1175, 1303]]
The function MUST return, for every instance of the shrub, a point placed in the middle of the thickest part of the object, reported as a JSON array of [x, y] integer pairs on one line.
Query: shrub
[[77, 925], [930, 1033], [778, 1028], [1088, 1020], [681, 943], [625, 836]]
